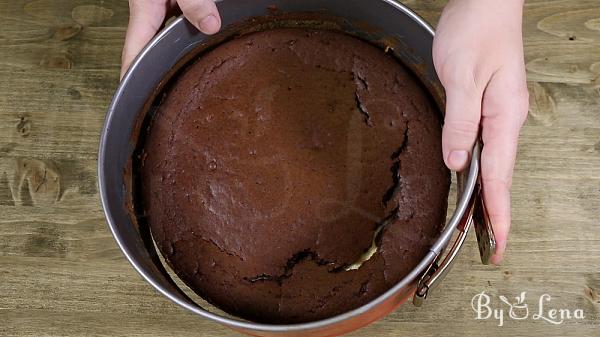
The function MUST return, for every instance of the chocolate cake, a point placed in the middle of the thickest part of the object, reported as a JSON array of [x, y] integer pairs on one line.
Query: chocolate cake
[[273, 158]]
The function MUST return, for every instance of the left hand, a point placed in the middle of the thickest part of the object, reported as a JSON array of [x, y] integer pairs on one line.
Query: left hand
[[478, 54]]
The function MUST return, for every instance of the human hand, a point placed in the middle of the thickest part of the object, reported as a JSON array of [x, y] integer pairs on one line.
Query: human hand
[[478, 55], [147, 16]]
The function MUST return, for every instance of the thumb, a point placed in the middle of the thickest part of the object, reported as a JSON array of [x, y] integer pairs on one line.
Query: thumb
[[202, 13], [461, 125]]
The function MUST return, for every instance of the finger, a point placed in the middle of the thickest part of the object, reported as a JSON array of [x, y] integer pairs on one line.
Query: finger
[[202, 13], [145, 19], [504, 108], [461, 125], [497, 161]]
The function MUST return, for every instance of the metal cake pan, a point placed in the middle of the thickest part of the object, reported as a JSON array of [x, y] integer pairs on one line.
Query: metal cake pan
[[383, 22]]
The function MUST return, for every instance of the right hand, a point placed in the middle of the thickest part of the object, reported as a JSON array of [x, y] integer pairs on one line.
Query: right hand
[[147, 16]]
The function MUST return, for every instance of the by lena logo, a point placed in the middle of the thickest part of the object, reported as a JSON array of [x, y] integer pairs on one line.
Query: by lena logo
[[519, 310]]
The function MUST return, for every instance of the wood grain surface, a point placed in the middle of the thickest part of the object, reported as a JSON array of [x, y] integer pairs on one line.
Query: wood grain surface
[[61, 273]]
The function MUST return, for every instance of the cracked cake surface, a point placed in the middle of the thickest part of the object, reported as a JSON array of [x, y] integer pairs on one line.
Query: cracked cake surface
[[272, 159]]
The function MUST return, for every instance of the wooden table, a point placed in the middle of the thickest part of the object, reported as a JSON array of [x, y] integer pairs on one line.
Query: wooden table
[[61, 272]]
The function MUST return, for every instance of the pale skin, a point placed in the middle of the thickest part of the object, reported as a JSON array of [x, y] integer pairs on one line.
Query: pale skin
[[478, 55]]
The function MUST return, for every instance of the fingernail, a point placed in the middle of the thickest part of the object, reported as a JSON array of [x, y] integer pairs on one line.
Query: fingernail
[[209, 24], [458, 159]]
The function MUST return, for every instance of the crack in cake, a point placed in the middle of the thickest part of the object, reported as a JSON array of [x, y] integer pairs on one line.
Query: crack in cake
[[273, 158]]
